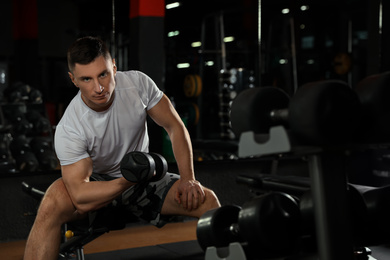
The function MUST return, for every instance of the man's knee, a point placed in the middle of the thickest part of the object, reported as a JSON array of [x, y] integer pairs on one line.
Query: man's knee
[[211, 199], [211, 202], [56, 205]]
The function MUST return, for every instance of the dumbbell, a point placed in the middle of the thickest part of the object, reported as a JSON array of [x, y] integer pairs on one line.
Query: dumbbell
[[323, 112], [40, 124], [7, 164], [368, 210], [141, 167], [44, 152], [35, 96], [21, 92], [267, 226], [374, 92], [20, 125], [22, 152]]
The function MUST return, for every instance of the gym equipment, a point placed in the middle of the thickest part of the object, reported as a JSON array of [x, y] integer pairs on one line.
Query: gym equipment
[[190, 111], [161, 167], [372, 215], [21, 150], [373, 92], [342, 63], [7, 164], [270, 223], [192, 85], [319, 113], [20, 92], [17, 117], [79, 233], [322, 123], [35, 96], [141, 167], [43, 150], [218, 227], [267, 226], [236, 252], [40, 124], [251, 109], [367, 209]]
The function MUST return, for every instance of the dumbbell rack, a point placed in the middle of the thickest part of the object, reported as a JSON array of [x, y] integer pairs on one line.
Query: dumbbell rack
[[329, 190]]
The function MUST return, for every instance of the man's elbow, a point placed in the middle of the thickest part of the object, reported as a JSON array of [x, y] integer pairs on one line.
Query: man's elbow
[[83, 208]]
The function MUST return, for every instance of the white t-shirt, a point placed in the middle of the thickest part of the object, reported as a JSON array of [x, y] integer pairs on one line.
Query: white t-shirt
[[107, 136]]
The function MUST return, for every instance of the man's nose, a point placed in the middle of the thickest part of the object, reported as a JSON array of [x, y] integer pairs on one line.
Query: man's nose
[[97, 87]]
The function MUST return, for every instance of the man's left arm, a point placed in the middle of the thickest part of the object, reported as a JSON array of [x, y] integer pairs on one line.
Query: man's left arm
[[190, 193]]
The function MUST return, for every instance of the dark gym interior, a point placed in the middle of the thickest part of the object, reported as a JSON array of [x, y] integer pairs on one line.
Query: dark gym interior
[[287, 103]]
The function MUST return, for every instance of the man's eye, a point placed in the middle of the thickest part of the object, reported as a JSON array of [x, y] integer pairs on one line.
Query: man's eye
[[86, 79], [103, 75]]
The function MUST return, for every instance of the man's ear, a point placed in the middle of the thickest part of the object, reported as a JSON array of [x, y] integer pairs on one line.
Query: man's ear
[[114, 66], [72, 78]]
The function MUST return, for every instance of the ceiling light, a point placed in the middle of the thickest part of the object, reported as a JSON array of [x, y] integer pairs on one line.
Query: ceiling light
[[172, 5], [173, 33], [304, 7], [183, 65], [196, 44], [228, 39], [283, 61]]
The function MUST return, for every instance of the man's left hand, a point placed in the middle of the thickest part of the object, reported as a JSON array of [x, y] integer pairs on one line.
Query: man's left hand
[[190, 194]]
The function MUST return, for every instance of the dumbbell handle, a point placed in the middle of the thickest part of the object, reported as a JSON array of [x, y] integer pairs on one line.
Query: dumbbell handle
[[279, 116], [234, 229]]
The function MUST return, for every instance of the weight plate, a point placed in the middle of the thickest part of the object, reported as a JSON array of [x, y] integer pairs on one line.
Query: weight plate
[[342, 63], [137, 167], [213, 227], [192, 85], [270, 224], [193, 114], [190, 111], [161, 167], [325, 112], [251, 109]]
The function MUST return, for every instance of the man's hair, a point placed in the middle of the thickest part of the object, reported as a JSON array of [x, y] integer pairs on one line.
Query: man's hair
[[85, 50]]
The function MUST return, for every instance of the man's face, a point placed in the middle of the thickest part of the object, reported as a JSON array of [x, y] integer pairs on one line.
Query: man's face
[[96, 82]]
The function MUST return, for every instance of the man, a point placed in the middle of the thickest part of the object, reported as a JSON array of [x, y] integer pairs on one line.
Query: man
[[103, 122]]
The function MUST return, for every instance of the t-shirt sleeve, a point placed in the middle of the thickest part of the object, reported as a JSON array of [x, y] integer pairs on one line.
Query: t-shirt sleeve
[[69, 145], [150, 93]]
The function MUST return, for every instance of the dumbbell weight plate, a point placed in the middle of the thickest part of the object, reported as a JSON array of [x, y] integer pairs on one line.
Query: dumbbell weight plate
[[325, 112], [251, 109], [192, 85], [161, 167], [270, 224], [137, 167], [213, 227]]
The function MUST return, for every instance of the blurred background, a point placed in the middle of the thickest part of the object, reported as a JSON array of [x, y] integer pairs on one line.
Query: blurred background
[[200, 53]]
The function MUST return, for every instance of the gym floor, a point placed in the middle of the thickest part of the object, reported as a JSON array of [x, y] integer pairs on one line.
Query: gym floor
[[128, 238]]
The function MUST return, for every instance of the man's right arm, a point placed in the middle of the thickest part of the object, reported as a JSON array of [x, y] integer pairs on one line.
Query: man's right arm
[[90, 195]]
